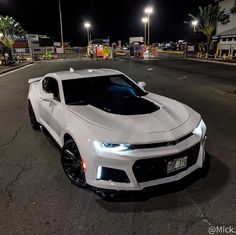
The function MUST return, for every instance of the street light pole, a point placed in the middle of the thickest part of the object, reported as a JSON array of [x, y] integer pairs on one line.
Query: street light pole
[[145, 33], [148, 28], [194, 24], [88, 34], [148, 11], [145, 20], [87, 26], [62, 39]]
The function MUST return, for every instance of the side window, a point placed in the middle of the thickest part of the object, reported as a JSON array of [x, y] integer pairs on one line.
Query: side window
[[50, 85]]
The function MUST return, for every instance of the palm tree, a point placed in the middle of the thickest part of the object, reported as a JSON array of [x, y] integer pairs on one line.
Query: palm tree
[[208, 18], [10, 29], [233, 9]]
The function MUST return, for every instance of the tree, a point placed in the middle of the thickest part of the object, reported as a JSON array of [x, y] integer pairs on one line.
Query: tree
[[208, 18], [10, 29], [233, 9]]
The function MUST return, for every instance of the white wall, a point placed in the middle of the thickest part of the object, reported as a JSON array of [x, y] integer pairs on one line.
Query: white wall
[[227, 5]]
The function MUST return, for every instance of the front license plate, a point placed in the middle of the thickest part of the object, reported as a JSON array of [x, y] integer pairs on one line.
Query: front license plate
[[176, 164]]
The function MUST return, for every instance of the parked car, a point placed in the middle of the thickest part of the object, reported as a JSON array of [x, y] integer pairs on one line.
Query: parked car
[[113, 134]]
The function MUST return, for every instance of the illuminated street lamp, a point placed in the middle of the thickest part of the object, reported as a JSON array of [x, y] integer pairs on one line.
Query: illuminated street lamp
[[194, 24], [87, 25], [145, 20], [148, 11]]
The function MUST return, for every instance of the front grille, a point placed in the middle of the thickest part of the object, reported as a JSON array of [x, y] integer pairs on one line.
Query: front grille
[[162, 144], [156, 168]]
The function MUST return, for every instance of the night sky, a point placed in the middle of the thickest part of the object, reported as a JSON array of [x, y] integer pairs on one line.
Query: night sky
[[116, 19]]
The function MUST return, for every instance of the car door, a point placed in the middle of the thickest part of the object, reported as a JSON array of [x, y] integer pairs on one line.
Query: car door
[[51, 112]]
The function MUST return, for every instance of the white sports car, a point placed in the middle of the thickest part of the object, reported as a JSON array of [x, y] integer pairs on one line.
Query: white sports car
[[113, 134]]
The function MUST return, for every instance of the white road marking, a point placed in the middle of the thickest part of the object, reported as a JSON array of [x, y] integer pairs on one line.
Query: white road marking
[[15, 70]]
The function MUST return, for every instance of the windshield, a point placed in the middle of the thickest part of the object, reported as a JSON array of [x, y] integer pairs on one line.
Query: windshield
[[89, 90]]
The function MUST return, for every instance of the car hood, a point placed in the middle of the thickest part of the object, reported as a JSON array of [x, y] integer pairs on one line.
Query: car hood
[[169, 116]]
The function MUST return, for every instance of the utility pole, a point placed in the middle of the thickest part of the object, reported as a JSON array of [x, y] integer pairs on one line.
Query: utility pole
[[148, 28], [62, 40]]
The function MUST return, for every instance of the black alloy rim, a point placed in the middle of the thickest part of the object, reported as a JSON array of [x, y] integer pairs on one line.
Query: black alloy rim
[[73, 164]]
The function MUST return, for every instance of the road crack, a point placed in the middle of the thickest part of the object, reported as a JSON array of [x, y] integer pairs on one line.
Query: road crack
[[201, 213], [12, 182], [14, 137], [2, 155]]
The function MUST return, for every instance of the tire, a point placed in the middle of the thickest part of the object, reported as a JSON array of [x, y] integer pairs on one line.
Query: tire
[[72, 163], [34, 124]]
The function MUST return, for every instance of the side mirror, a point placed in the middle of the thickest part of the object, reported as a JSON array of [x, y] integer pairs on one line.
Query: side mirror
[[48, 97], [142, 84]]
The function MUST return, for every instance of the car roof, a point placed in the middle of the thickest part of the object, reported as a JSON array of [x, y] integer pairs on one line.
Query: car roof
[[85, 73]]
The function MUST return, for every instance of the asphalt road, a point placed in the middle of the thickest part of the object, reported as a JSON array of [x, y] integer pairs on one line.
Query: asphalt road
[[37, 198]]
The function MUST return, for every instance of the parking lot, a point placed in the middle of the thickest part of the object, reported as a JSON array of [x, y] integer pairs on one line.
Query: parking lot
[[37, 198]]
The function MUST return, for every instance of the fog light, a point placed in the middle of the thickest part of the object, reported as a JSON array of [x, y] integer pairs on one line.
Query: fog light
[[99, 173], [112, 175]]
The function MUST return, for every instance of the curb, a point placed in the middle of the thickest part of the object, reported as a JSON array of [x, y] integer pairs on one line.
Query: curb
[[171, 52], [15, 67], [212, 61]]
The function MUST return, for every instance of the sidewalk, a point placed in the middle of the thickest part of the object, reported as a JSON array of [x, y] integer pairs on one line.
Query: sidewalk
[[174, 56], [8, 68], [214, 61]]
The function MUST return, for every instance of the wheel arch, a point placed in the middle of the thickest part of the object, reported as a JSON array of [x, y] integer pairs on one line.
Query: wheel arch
[[29, 102], [67, 137], [33, 99]]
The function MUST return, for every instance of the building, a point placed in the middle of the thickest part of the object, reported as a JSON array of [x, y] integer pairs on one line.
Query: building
[[226, 33], [229, 29]]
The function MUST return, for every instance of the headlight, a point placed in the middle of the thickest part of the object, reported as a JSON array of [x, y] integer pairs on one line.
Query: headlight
[[109, 147], [200, 130]]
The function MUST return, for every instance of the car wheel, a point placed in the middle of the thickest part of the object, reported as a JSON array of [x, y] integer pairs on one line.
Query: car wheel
[[73, 164], [35, 125]]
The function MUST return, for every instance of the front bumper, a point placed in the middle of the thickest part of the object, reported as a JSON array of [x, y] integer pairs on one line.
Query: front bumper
[[126, 161]]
